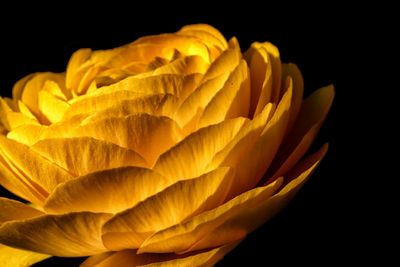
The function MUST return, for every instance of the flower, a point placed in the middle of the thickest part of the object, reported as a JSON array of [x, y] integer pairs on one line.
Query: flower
[[167, 150]]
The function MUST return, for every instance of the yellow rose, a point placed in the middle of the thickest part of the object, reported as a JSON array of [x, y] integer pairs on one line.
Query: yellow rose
[[165, 151]]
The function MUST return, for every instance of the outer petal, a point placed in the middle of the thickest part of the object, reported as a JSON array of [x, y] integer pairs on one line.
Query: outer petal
[[17, 185], [15, 210], [13, 257], [130, 258], [94, 155], [182, 236], [233, 153], [234, 219], [250, 219], [261, 77], [67, 235], [252, 168], [312, 114], [196, 30], [107, 191], [31, 167], [232, 101], [176, 203], [190, 157]]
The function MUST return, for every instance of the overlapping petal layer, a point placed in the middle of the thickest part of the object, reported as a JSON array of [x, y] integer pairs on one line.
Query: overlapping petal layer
[[163, 152]]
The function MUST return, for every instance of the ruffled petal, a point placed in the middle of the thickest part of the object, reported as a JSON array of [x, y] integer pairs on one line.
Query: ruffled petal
[[129, 258], [83, 155], [184, 235], [67, 235], [176, 203], [32, 168], [246, 221], [232, 101], [311, 116], [14, 210], [13, 257], [110, 191], [190, 157], [254, 165]]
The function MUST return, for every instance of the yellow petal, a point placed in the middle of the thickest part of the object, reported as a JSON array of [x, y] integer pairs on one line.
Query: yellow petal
[[146, 134], [67, 235], [233, 153], [175, 84], [226, 62], [18, 185], [51, 107], [110, 191], [13, 257], [185, 44], [251, 218], [76, 60], [158, 105], [176, 203], [274, 56], [11, 119], [190, 157], [19, 86], [191, 109], [185, 65], [34, 85], [27, 134], [129, 258], [25, 110], [34, 169], [292, 71], [311, 116], [77, 154], [261, 78], [110, 76], [252, 168], [184, 235], [197, 30], [232, 101], [14, 210]]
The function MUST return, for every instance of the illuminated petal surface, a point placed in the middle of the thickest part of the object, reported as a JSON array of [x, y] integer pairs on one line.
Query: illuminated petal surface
[[130, 258], [178, 202], [67, 235], [13, 257]]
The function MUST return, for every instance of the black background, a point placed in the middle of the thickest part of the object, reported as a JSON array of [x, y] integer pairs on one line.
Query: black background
[[328, 43]]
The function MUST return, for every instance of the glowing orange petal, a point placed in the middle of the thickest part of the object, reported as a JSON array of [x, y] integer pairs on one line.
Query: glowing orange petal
[[83, 155], [32, 87], [67, 235], [311, 116], [184, 235], [19, 185], [190, 157], [176, 203], [129, 258], [15, 210], [13, 257], [242, 143], [233, 100], [76, 61], [31, 167], [261, 77], [185, 65], [252, 168], [110, 191], [246, 221]]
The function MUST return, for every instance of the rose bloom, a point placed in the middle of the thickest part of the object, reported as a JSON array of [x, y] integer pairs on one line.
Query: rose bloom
[[166, 151]]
